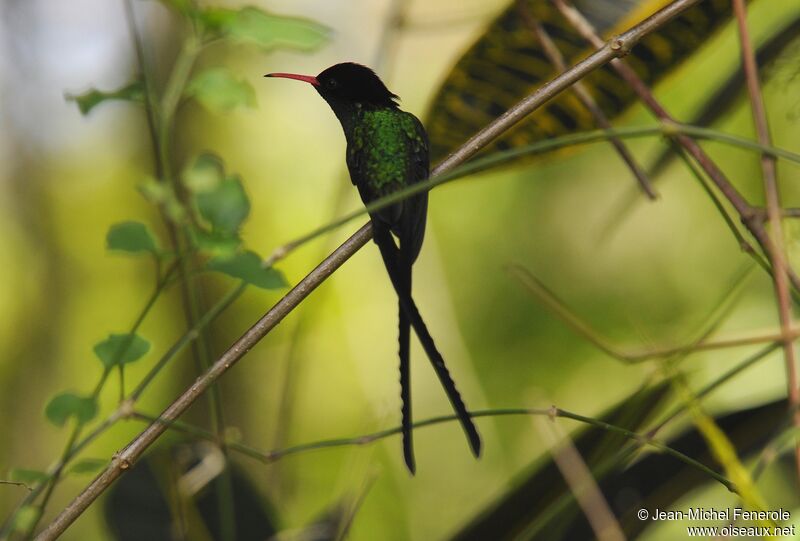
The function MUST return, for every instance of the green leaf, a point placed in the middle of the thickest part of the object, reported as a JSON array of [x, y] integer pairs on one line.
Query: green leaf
[[268, 31], [26, 518], [220, 201], [91, 99], [219, 91], [132, 237], [65, 405], [247, 266], [28, 477], [225, 207], [88, 465], [121, 349], [204, 173]]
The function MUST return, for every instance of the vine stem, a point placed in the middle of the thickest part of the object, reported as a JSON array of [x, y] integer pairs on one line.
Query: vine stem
[[123, 460], [179, 237], [69, 448], [125, 408], [268, 457]]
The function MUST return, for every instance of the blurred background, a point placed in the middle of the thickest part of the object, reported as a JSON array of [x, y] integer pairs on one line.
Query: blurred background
[[330, 369]]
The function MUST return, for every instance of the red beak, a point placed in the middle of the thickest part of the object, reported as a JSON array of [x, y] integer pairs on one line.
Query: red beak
[[307, 78]]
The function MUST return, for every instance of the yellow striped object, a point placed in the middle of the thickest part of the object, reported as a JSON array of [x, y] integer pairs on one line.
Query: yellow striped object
[[507, 63]]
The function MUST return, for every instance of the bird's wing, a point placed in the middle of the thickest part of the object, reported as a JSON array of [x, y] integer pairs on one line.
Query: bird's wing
[[415, 208]]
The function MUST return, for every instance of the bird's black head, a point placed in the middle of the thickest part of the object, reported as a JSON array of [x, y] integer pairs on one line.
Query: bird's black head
[[348, 83], [354, 83]]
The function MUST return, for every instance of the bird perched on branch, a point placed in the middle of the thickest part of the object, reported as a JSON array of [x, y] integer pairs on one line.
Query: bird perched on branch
[[387, 150]]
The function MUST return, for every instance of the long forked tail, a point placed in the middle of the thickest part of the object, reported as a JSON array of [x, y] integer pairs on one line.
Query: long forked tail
[[391, 259]]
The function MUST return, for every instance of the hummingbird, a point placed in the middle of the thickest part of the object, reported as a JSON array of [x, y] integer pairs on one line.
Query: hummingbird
[[387, 150]]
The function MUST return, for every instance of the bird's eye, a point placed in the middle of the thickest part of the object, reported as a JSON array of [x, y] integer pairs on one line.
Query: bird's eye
[[333, 83]]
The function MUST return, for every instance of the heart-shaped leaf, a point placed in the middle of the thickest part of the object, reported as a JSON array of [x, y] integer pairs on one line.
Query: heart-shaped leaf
[[266, 30], [121, 349], [66, 405]]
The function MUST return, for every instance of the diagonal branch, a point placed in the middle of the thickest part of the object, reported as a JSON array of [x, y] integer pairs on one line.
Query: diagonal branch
[[122, 461]]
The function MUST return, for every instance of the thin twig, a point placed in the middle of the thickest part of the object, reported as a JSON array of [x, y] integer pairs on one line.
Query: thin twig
[[642, 439], [744, 244], [150, 101], [585, 97], [774, 448], [5, 531], [16, 484], [125, 408], [724, 378], [123, 460], [580, 481], [748, 215], [50, 483], [269, 457], [703, 343], [189, 336], [722, 449], [775, 249]]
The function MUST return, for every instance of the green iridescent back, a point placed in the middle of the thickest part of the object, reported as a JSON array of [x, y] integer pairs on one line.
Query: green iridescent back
[[383, 151]]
